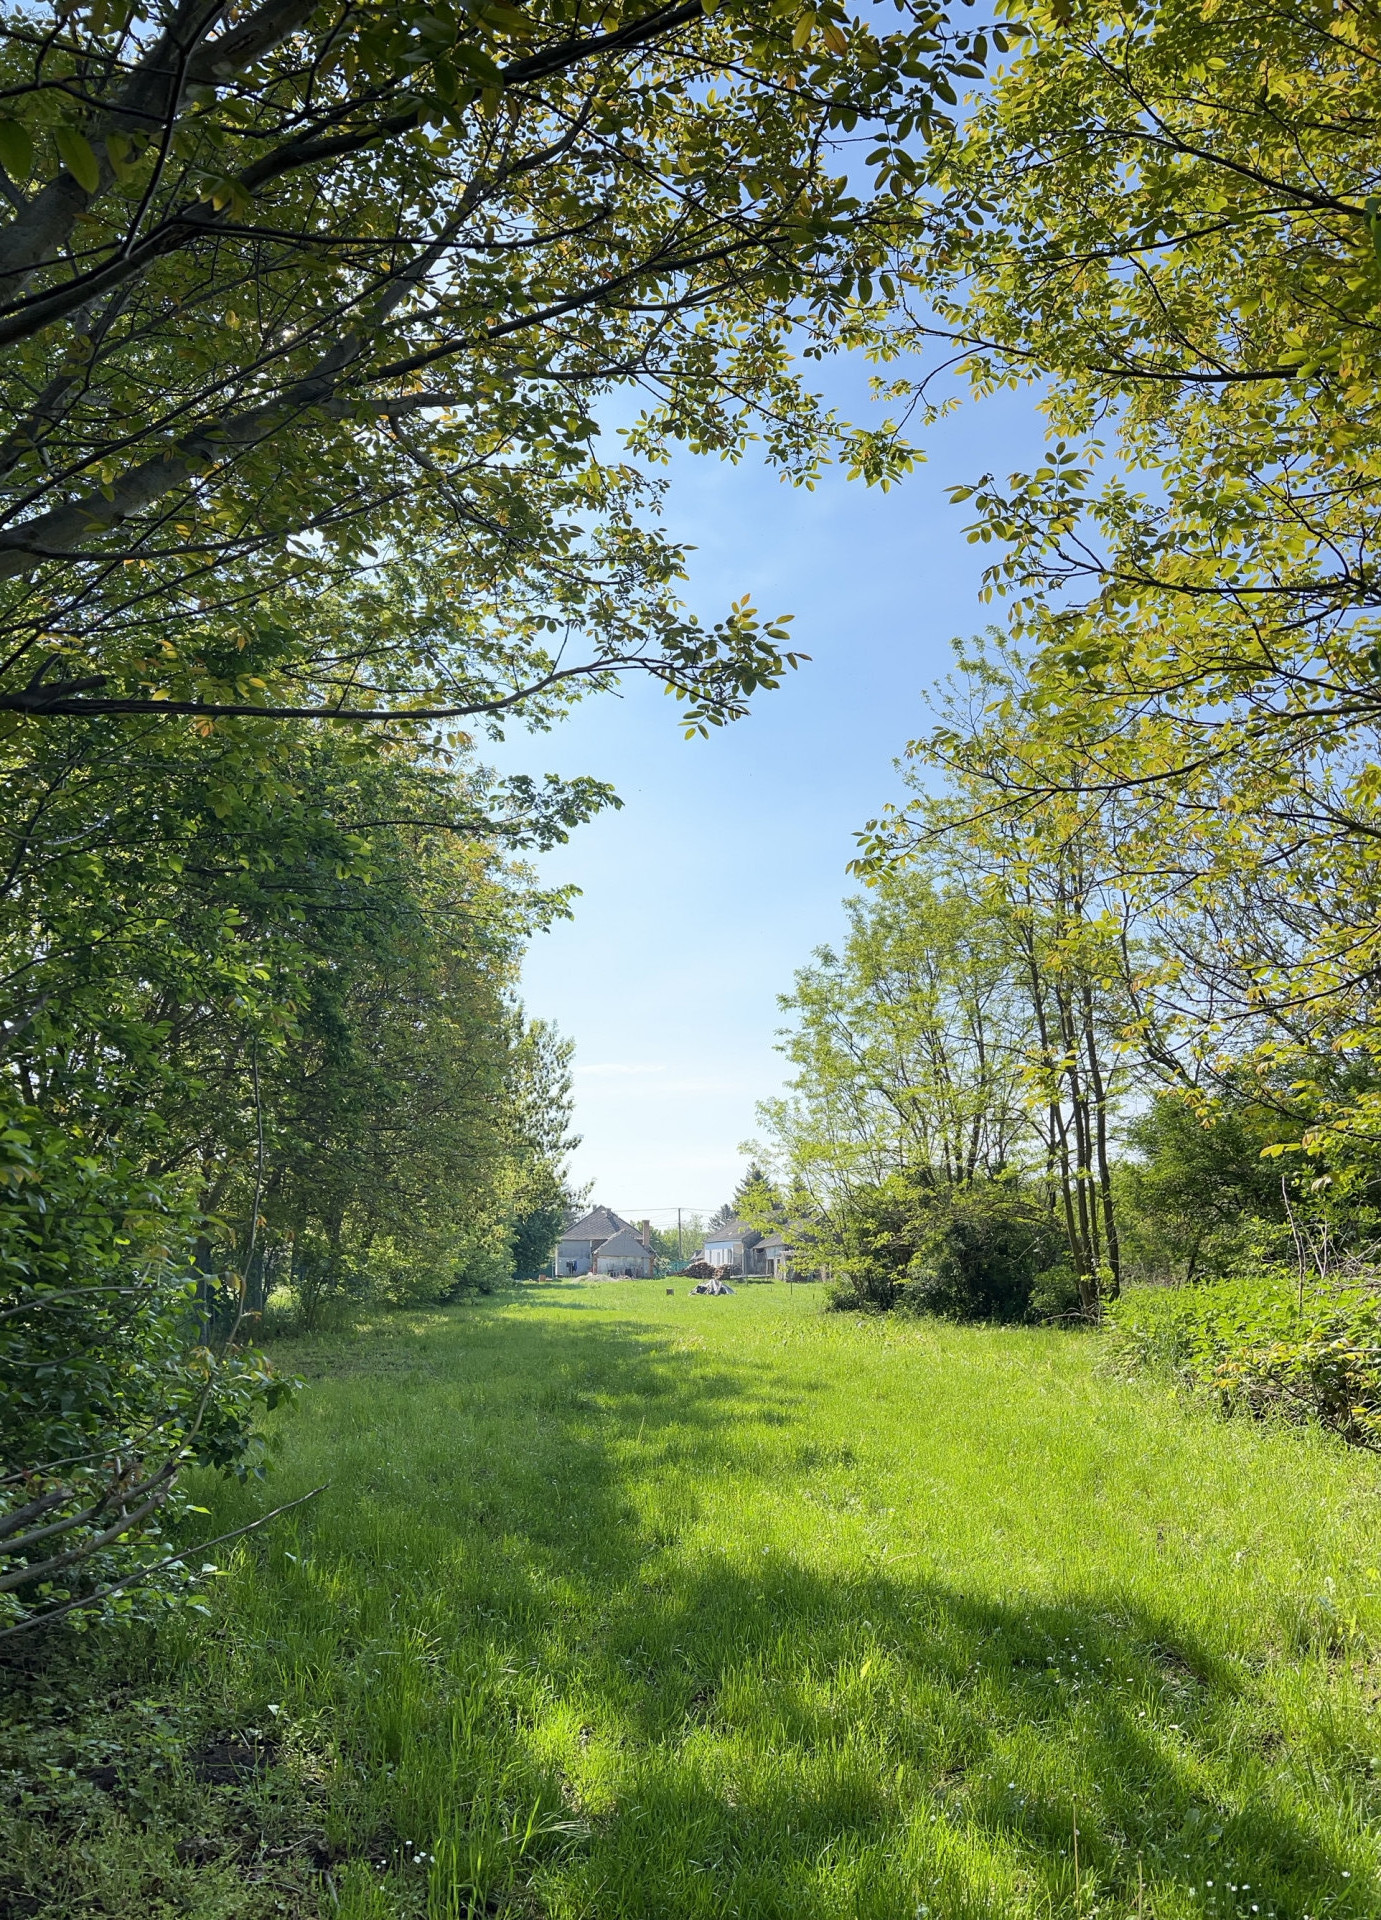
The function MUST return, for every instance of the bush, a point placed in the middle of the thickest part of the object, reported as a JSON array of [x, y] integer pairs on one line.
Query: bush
[[440, 1268], [481, 1263], [988, 1253], [980, 1252], [1056, 1295], [876, 1234], [112, 1387], [1259, 1350], [1202, 1199], [434, 1267]]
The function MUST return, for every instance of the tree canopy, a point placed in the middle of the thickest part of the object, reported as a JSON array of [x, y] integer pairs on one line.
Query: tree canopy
[[311, 317], [1164, 219]]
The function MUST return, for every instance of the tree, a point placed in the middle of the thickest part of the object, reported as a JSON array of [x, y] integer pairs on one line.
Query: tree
[[1184, 251], [752, 1184], [309, 316], [1113, 945], [1169, 220], [1201, 1181], [870, 1239], [956, 1070], [414, 1117], [679, 1242], [253, 1005], [752, 1196], [110, 1391], [903, 1047], [538, 1190], [990, 1251]]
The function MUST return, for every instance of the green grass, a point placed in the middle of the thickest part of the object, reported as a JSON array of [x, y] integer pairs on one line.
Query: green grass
[[621, 1605]]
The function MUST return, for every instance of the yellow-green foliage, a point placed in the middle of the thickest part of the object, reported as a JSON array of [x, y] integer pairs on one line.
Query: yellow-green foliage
[[1263, 1345], [621, 1605]]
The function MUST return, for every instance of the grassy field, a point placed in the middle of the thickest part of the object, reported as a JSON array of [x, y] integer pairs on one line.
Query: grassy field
[[627, 1605]]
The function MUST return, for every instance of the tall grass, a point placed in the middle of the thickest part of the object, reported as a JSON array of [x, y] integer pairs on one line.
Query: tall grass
[[621, 1605]]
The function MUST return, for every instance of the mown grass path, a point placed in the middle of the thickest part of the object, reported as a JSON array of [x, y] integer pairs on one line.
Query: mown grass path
[[621, 1605]]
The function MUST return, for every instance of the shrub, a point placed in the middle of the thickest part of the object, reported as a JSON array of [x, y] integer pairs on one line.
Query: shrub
[[1056, 1295], [877, 1232], [1259, 1348], [111, 1385], [482, 1263], [981, 1252], [439, 1267], [434, 1267], [987, 1252], [406, 1275]]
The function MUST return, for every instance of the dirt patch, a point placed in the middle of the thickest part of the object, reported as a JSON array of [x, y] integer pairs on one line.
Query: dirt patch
[[227, 1759]]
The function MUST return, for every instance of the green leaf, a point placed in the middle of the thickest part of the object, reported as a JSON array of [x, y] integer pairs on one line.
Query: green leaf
[[120, 152], [16, 149], [78, 156], [479, 63], [509, 20]]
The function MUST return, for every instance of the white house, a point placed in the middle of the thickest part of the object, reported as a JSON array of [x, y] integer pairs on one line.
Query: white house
[[734, 1248], [729, 1246]]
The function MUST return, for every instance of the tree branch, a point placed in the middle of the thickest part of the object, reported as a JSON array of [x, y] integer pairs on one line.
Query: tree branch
[[147, 1573]]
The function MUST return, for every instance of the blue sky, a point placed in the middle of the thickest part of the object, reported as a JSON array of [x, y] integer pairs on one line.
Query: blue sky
[[726, 865]]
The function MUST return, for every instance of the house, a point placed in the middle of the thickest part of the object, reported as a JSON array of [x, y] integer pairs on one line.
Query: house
[[734, 1248], [731, 1247], [575, 1251], [595, 1234], [772, 1256], [626, 1256]]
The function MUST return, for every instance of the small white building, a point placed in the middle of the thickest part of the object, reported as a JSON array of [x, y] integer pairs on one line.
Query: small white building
[[734, 1248], [730, 1248]]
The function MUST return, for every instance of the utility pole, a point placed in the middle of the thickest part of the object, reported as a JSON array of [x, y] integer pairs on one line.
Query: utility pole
[[680, 1250]]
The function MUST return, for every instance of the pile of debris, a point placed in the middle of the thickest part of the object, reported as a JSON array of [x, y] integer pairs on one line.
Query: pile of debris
[[713, 1285]]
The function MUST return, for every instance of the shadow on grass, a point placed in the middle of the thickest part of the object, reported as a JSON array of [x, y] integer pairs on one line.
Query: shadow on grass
[[763, 1739]]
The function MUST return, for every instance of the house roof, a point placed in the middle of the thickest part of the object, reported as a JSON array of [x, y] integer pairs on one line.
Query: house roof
[[601, 1223], [735, 1233], [773, 1240], [621, 1246]]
